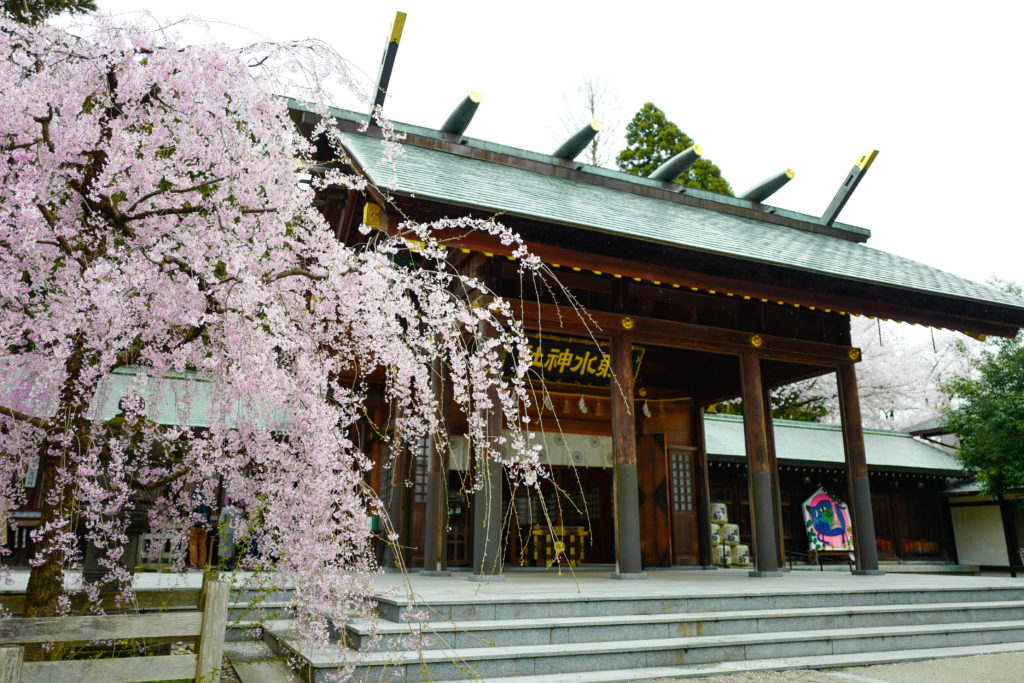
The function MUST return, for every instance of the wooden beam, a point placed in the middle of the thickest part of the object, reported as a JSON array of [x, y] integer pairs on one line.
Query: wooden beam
[[601, 324], [883, 302]]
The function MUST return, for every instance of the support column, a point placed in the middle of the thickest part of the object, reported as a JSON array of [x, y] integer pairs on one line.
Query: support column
[[702, 499], [397, 511], [627, 500], [759, 475], [487, 510], [773, 464], [435, 533], [859, 494]]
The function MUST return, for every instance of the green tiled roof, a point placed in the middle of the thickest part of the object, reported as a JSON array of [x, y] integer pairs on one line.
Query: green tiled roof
[[496, 187], [822, 443]]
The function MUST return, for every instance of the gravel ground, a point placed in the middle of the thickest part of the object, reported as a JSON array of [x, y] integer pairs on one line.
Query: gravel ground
[[999, 668]]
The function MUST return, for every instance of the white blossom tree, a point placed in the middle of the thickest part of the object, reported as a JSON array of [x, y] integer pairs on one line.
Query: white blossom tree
[[153, 216]]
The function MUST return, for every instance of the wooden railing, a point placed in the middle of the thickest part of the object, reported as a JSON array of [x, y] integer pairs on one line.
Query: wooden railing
[[206, 626]]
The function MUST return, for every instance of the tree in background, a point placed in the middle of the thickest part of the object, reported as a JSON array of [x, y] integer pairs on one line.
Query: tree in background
[[651, 140], [157, 217], [986, 413], [898, 380], [36, 11], [592, 101]]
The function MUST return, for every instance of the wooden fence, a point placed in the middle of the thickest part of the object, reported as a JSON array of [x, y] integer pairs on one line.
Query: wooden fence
[[206, 626]]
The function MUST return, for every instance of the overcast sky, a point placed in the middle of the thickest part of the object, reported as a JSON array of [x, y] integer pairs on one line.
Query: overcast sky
[[936, 87]]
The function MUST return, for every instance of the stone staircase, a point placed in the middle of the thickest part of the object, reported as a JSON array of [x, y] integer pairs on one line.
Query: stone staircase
[[587, 638]]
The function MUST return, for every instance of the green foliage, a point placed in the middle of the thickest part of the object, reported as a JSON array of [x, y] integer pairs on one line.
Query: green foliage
[[987, 415], [651, 140], [37, 11]]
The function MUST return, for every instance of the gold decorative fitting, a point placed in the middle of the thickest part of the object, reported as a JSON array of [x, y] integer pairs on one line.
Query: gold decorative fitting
[[756, 341], [642, 392], [854, 354], [371, 215], [628, 323], [576, 269]]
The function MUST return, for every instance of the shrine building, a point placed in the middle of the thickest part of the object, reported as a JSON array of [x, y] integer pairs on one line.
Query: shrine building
[[692, 297]]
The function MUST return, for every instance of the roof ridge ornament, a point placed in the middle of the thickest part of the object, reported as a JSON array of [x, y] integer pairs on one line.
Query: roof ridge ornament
[[769, 186], [677, 165], [853, 179], [572, 147], [387, 63], [458, 121]]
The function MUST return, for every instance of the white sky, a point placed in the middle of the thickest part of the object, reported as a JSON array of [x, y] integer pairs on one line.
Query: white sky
[[935, 86]]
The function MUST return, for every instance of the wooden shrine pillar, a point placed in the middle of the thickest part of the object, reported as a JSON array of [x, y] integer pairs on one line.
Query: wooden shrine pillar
[[702, 499], [397, 511], [627, 500], [859, 494], [487, 507], [759, 470], [773, 460], [435, 551]]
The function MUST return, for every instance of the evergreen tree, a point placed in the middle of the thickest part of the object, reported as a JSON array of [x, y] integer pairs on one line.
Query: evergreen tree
[[651, 140], [36, 11], [988, 416]]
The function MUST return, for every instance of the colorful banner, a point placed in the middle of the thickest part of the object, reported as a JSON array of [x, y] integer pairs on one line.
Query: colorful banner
[[828, 523]]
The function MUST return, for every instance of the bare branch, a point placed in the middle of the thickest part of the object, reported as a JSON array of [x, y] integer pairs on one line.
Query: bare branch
[[24, 417], [174, 190], [293, 272]]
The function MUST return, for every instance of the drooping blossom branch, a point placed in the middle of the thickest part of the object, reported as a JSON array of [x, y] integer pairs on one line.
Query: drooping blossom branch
[[178, 320]]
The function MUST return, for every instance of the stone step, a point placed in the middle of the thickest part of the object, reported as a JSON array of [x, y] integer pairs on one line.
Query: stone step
[[537, 607], [777, 664], [463, 663], [548, 631]]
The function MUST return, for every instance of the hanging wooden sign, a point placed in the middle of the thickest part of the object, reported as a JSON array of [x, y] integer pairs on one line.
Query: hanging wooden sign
[[571, 360]]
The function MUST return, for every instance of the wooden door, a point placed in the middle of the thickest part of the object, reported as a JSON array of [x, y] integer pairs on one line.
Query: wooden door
[[885, 539], [655, 522], [684, 506]]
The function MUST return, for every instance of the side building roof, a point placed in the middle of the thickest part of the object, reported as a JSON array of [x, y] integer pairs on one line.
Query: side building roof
[[814, 443]]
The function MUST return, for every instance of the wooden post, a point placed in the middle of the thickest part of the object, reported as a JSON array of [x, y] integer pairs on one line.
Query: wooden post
[[627, 499], [488, 553], [769, 428], [859, 495], [434, 535], [397, 511], [703, 488], [11, 659], [210, 646], [208, 576], [762, 514]]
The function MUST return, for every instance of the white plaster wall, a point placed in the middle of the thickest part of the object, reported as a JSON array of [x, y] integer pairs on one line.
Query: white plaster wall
[[978, 531]]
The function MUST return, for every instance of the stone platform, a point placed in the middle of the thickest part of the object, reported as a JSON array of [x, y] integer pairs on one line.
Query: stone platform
[[584, 626]]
